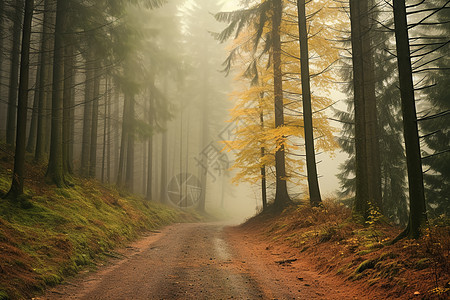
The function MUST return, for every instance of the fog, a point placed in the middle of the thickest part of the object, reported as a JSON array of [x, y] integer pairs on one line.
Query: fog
[[182, 106], [152, 107]]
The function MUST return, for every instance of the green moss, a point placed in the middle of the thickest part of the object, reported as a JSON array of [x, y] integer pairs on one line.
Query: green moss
[[82, 259], [327, 233], [69, 269], [364, 252], [374, 246], [388, 255], [65, 229], [65, 193], [367, 264], [52, 279], [5, 183], [422, 264], [4, 295], [342, 270]]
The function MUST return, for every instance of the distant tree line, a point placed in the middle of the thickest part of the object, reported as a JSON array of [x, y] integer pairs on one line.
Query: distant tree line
[[107, 89]]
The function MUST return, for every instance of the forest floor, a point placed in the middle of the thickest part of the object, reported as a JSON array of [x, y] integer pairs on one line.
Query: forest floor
[[266, 258], [330, 243], [50, 234], [70, 235]]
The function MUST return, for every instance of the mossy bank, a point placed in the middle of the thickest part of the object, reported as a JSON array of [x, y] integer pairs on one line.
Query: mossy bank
[[52, 233]]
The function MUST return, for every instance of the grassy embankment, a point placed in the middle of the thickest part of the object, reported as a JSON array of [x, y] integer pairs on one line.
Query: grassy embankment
[[53, 233], [329, 238]]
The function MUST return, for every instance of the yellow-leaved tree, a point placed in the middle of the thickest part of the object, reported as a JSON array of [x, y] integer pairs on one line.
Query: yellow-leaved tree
[[259, 136]]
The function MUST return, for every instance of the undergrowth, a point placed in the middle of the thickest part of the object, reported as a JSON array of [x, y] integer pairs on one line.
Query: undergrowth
[[52, 233], [360, 252]]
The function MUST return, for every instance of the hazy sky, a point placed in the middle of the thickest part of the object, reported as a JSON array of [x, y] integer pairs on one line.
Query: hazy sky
[[230, 5]]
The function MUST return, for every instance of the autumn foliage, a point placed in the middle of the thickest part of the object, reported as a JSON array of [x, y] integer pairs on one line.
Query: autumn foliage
[[253, 112]]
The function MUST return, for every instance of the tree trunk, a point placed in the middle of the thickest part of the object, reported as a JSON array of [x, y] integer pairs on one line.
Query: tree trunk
[[14, 74], [55, 169], [48, 101], [417, 204], [19, 157], [370, 100], [263, 167], [94, 125], [44, 82], [67, 107], [87, 118], [3, 112], [203, 166], [123, 143], [281, 194], [31, 144], [105, 128], [150, 150], [129, 175], [108, 128], [360, 206], [313, 182], [163, 195], [72, 111], [115, 125]]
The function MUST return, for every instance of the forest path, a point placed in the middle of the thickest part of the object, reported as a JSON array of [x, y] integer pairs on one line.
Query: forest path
[[204, 261]]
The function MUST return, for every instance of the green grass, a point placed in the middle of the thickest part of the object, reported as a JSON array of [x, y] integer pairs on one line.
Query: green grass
[[53, 233]]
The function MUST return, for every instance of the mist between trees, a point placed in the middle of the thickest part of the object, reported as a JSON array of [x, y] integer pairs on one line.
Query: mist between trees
[[135, 94]]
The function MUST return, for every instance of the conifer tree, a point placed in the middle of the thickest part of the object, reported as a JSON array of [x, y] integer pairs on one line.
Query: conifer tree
[[19, 157], [417, 206], [55, 170]]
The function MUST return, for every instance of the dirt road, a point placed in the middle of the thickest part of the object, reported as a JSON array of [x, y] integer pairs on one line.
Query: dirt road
[[204, 261]]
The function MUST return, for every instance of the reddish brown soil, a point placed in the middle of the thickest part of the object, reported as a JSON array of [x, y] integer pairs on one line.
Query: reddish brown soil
[[328, 243], [209, 261]]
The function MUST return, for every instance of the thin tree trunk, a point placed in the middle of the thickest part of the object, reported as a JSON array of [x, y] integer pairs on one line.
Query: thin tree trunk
[[129, 175], [263, 168], [105, 121], [181, 158], [48, 101], [123, 143], [87, 118], [204, 143], [67, 107], [108, 128], [44, 82], [144, 162], [115, 125], [150, 156], [94, 125], [2, 29], [164, 157], [186, 162], [55, 169], [49, 86], [163, 195], [14, 74], [281, 194], [150, 147], [72, 111], [19, 157], [311, 167], [417, 204], [31, 144], [144, 167]]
